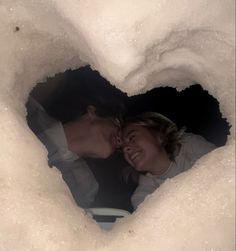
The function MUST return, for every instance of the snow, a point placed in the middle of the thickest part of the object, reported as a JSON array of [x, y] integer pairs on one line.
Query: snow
[[136, 45]]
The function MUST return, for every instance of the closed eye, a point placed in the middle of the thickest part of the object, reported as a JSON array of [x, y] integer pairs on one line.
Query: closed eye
[[131, 136]]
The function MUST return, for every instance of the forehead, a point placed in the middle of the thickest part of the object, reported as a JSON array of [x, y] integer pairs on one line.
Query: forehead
[[129, 128]]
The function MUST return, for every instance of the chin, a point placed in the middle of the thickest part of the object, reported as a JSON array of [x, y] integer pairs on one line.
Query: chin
[[140, 168], [106, 154]]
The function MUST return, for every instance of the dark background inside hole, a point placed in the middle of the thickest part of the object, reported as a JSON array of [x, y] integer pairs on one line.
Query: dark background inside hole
[[193, 108]]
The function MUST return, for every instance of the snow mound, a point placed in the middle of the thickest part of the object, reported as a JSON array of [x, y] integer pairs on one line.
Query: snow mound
[[136, 45]]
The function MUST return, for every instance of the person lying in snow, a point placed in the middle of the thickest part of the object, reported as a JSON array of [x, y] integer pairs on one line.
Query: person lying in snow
[[154, 146], [93, 132]]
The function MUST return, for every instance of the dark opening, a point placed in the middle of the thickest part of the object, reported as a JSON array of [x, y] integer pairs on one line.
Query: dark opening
[[193, 108]]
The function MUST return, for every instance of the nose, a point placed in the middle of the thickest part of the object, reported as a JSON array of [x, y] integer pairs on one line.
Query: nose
[[126, 148]]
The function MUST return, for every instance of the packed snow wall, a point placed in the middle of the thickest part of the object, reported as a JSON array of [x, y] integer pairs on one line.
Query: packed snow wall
[[136, 45]]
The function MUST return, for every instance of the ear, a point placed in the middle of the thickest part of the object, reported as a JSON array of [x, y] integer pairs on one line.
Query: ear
[[91, 110]]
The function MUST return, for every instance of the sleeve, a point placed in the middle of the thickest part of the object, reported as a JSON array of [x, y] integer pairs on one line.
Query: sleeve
[[80, 180], [146, 186], [37, 118]]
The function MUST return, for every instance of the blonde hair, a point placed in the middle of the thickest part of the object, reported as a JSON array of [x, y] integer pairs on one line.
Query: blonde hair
[[164, 127]]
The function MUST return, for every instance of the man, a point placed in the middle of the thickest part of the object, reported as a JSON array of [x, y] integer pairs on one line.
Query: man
[[91, 132]]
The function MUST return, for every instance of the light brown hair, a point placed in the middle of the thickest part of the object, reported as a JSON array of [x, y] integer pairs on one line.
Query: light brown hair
[[164, 127]]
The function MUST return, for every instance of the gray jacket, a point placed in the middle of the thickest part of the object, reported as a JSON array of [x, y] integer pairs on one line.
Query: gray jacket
[[75, 170]]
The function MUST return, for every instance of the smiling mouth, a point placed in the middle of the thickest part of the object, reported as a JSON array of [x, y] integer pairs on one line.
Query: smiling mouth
[[134, 156]]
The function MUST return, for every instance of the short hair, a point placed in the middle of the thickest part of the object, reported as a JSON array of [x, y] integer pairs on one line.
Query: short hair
[[69, 109], [166, 129], [85, 87]]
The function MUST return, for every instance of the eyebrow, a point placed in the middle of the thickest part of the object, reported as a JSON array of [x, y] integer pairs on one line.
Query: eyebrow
[[130, 132]]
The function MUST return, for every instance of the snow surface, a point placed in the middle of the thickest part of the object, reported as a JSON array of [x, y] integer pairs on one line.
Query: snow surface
[[136, 45]]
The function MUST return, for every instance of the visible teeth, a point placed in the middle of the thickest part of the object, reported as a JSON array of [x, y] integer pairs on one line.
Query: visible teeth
[[134, 156]]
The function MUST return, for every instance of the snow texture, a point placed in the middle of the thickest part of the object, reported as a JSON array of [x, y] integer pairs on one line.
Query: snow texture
[[137, 45]]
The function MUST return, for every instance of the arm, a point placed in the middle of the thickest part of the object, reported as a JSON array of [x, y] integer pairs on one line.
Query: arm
[[146, 186], [80, 180]]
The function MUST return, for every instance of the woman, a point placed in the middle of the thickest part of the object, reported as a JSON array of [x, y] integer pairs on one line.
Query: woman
[[153, 145]]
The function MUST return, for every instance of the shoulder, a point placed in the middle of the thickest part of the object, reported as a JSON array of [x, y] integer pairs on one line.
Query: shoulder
[[37, 118], [190, 139], [193, 147]]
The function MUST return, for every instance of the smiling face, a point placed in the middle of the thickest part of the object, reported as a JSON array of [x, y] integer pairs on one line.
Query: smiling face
[[141, 147]]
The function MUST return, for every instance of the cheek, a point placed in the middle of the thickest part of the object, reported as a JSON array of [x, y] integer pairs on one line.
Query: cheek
[[150, 150], [145, 144], [101, 134], [104, 148], [105, 132], [127, 159], [99, 146]]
